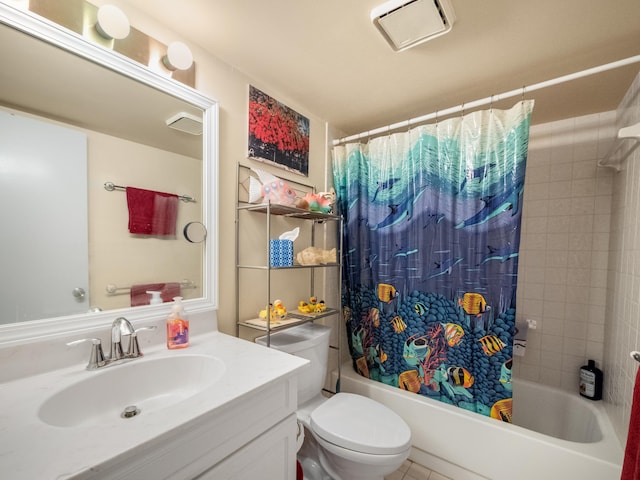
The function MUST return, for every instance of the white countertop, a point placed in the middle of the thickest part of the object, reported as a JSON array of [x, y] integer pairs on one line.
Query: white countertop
[[31, 449]]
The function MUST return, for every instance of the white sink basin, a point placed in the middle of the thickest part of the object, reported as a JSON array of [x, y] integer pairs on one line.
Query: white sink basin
[[148, 384]]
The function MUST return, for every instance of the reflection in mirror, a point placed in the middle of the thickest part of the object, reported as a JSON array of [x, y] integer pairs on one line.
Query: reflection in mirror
[[67, 127]]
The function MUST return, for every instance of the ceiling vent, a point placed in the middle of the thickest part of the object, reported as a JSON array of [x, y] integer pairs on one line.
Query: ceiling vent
[[185, 122], [405, 24]]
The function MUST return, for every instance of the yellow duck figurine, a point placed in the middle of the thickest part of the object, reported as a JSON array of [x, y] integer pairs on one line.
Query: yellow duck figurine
[[278, 311], [304, 307], [312, 307]]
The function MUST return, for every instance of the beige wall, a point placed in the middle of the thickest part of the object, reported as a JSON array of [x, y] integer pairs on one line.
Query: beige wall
[[564, 248], [115, 256], [230, 88], [623, 294]]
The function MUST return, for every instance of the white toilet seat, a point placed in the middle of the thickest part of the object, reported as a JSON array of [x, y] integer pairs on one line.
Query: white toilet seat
[[371, 459], [359, 424]]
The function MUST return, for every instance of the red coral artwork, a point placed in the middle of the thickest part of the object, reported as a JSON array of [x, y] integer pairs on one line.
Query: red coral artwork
[[277, 134]]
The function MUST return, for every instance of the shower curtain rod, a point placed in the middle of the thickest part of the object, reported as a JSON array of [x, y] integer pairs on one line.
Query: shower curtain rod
[[491, 99]]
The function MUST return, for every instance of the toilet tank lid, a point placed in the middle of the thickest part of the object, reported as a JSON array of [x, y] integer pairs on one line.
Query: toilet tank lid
[[295, 339], [361, 424]]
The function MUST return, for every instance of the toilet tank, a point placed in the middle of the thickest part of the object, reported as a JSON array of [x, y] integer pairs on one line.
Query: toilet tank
[[310, 341]]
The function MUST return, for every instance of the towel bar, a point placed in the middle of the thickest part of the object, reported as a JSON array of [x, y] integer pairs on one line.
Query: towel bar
[[110, 187], [115, 290]]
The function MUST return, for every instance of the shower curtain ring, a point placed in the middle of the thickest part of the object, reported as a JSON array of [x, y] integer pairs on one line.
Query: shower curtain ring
[[523, 90], [491, 103]]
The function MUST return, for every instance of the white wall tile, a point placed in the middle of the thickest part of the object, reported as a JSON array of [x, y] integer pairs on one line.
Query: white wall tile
[[618, 320], [564, 260], [559, 172], [537, 173], [582, 257], [584, 169]]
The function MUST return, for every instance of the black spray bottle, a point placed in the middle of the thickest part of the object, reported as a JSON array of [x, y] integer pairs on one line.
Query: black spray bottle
[[591, 381]]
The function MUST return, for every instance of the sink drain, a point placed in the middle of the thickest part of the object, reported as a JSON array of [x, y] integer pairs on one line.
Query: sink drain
[[130, 411]]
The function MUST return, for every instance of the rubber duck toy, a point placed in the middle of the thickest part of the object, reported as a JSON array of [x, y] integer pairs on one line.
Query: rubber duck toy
[[278, 311], [312, 307], [319, 307], [304, 307]]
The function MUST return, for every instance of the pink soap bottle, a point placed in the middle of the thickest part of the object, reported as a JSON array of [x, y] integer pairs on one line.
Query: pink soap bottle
[[177, 326]]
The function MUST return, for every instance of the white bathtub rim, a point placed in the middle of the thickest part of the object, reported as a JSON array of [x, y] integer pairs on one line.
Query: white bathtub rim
[[607, 451]]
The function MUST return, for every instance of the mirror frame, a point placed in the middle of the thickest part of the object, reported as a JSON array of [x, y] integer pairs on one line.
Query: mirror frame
[[47, 31]]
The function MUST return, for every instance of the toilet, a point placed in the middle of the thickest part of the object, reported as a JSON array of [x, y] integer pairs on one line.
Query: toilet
[[354, 437]]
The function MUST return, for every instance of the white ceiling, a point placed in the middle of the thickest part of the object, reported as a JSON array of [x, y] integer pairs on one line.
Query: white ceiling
[[327, 56]]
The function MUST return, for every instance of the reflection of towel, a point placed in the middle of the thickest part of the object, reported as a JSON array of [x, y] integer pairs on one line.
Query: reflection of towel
[[139, 295], [152, 213], [631, 465]]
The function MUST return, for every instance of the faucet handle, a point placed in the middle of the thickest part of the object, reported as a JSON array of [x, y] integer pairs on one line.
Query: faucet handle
[[134, 346], [96, 359]]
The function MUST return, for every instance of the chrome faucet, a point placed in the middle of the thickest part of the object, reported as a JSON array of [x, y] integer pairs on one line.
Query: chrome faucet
[[120, 327]]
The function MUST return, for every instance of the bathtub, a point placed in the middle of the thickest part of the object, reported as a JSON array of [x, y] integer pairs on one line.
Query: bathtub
[[556, 435]]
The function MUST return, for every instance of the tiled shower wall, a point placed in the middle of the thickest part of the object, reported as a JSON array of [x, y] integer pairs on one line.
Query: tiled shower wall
[[623, 295], [562, 276]]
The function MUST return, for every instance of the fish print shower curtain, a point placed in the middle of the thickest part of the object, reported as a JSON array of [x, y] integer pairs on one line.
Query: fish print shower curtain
[[431, 238]]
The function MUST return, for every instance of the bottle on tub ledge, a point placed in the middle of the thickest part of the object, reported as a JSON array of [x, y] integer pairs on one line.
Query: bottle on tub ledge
[[591, 381], [177, 326]]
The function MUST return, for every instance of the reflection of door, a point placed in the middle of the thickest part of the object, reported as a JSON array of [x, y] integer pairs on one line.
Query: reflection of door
[[43, 218]]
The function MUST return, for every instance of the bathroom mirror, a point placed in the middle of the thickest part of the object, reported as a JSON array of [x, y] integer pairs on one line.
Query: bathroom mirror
[[120, 109]]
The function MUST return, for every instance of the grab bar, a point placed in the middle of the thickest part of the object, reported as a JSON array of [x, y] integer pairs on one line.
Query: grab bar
[[635, 355], [115, 290], [110, 187]]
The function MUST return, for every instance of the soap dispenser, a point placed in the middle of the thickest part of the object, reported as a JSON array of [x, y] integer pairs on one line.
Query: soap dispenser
[[155, 297], [177, 326]]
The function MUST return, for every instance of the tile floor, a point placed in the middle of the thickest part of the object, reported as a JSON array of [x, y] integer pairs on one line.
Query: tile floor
[[412, 471]]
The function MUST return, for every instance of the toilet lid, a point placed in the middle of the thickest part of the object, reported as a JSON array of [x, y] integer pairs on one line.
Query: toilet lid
[[360, 424]]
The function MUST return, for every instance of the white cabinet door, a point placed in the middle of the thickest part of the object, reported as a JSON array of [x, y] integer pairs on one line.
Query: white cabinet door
[[43, 218], [271, 456]]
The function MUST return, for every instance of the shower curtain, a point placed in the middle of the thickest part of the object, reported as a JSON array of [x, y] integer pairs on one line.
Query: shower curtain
[[430, 255]]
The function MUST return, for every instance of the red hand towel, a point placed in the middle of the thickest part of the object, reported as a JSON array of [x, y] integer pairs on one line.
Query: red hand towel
[[152, 213], [139, 295], [631, 465]]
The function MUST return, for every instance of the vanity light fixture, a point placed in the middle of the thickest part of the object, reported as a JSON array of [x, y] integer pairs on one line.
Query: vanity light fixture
[[178, 57], [112, 23]]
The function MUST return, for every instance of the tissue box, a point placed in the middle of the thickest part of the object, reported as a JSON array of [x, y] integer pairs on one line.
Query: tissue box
[[281, 253]]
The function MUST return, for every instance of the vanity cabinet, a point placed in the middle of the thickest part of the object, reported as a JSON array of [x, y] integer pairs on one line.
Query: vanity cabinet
[[255, 432], [242, 421], [222, 445]]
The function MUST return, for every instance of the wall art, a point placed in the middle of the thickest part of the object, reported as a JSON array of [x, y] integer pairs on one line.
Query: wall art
[[277, 134]]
